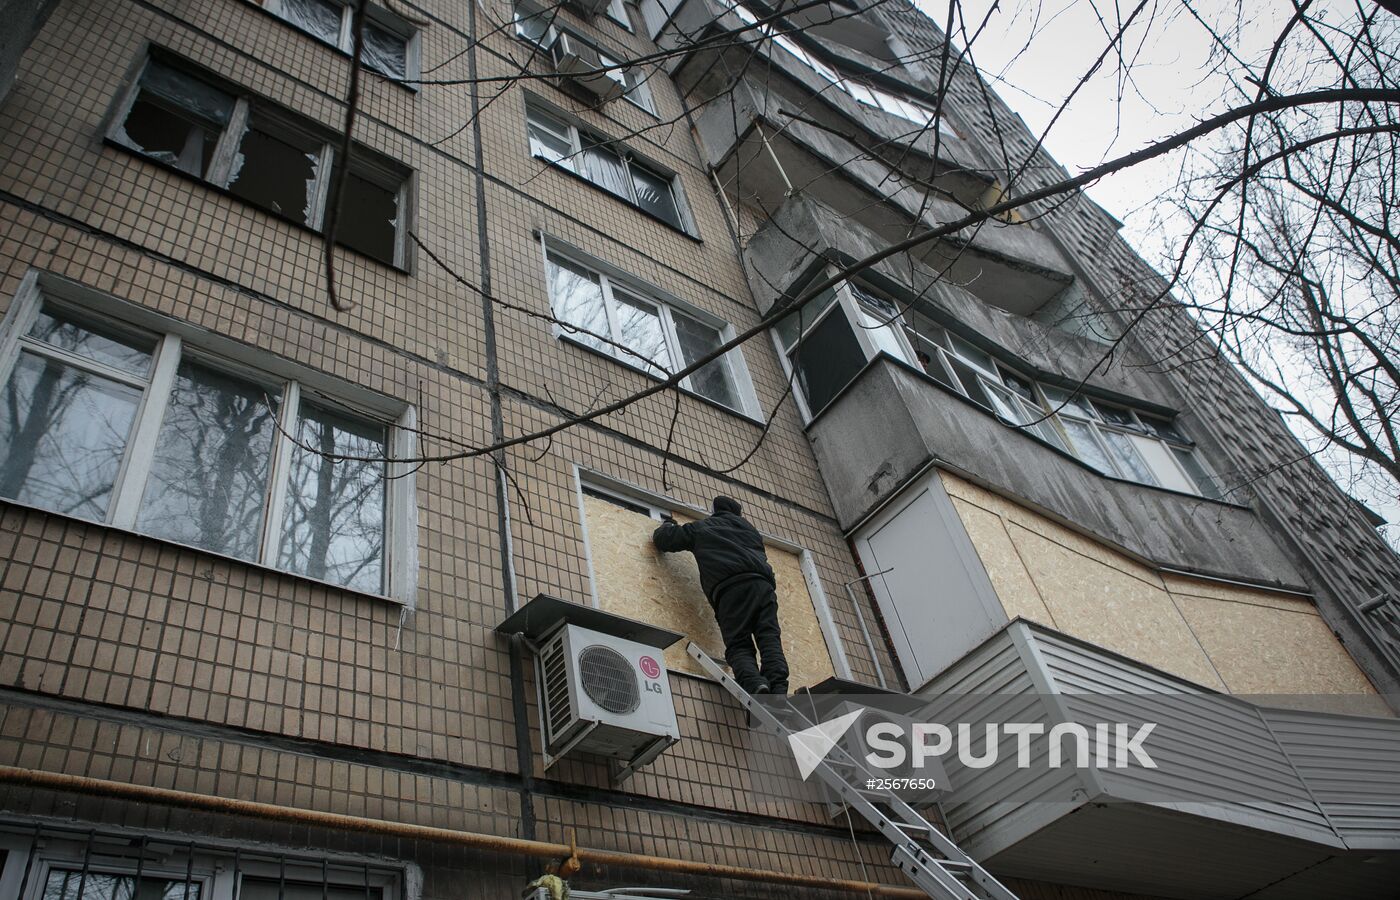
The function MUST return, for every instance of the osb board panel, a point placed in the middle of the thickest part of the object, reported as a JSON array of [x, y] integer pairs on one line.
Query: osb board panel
[[1267, 650], [1011, 512], [1010, 580], [1101, 604], [1241, 639], [1213, 590], [633, 579]]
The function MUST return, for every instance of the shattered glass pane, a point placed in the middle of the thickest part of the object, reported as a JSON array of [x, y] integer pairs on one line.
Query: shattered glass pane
[[826, 360], [368, 219], [385, 51], [203, 100], [274, 174], [319, 18]]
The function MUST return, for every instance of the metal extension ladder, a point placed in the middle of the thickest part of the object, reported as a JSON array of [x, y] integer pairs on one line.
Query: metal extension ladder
[[931, 860]]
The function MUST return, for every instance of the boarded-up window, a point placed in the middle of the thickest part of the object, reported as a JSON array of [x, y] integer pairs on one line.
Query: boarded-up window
[[632, 578]]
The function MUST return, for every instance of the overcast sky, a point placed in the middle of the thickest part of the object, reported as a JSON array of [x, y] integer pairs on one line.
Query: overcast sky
[[1034, 53]]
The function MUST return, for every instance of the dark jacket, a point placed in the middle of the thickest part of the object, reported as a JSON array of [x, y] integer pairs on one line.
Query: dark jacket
[[726, 547]]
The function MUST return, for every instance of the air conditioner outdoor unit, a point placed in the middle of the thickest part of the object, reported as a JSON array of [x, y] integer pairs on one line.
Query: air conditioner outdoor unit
[[580, 63], [603, 695], [600, 681]]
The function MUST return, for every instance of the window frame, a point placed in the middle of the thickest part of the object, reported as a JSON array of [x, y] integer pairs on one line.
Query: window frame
[[591, 482], [864, 92], [946, 365], [859, 319], [667, 307], [634, 80], [536, 110], [366, 163], [175, 342], [617, 12], [382, 18]]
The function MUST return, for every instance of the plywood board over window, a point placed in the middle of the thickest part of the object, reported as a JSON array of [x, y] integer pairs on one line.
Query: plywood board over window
[[632, 578]]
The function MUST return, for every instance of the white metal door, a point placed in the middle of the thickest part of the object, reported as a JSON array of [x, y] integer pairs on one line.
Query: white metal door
[[937, 600]]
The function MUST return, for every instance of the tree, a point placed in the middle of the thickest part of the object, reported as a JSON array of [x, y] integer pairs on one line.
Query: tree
[[1289, 252]]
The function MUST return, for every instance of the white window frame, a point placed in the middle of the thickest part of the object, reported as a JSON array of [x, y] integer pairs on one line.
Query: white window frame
[[667, 307], [905, 108], [382, 18], [174, 340], [944, 348], [211, 866], [539, 115], [224, 160], [636, 91], [859, 319], [587, 481]]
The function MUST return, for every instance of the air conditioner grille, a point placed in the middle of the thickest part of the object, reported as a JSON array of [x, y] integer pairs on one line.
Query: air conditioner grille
[[559, 714], [608, 679]]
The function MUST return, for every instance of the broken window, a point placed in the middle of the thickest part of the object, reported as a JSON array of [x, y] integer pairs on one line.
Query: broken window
[[175, 119], [144, 431], [318, 18], [275, 170], [264, 155], [389, 43], [369, 216], [645, 333]]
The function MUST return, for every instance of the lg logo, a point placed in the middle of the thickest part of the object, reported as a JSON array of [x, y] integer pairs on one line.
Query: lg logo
[[649, 667]]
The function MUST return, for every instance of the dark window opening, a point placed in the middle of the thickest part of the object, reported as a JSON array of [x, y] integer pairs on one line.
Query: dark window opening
[[368, 220], [276, 174], [176, 120], [826, 360]]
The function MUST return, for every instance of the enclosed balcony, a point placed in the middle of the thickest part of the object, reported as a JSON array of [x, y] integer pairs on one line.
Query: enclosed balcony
[[769, 166], [1244, 800]]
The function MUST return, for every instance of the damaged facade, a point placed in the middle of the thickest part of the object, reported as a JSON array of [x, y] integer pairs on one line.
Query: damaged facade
[[295, 643]]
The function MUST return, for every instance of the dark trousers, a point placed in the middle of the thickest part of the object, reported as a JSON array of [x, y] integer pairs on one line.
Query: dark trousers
[[747, 612]]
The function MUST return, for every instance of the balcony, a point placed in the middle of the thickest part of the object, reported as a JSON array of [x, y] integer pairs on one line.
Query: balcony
[[765, 165], [892, 422], [1245, 800]]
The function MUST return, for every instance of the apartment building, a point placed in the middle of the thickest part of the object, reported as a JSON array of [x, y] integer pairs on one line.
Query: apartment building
[[254, 584]]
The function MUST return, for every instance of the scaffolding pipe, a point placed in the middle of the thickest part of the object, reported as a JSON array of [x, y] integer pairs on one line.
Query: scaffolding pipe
[[474, 840]]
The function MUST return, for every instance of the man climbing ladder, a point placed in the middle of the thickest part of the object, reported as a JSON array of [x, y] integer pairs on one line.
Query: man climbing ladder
[[739, 584]]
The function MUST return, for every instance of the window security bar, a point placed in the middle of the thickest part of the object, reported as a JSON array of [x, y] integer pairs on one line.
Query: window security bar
[[57, 862]]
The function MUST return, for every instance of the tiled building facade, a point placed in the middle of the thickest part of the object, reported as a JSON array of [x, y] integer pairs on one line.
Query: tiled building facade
[[366, 679]]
